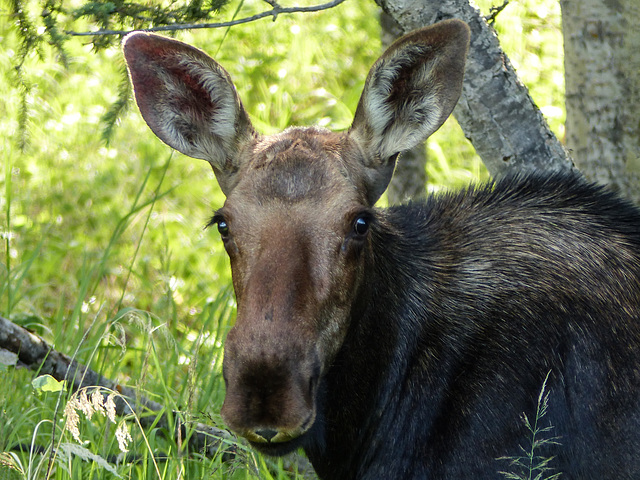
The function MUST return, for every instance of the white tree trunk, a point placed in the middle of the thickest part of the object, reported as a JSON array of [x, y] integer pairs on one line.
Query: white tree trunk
[[602, 65], [495, 110]]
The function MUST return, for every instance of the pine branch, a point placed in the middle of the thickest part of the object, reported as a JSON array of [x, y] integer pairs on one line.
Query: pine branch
[[274, 12], [110, 119], [126, 17]]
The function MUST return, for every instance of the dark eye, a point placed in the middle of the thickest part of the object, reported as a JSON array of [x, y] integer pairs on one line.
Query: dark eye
[[223, 227], [361, 226]]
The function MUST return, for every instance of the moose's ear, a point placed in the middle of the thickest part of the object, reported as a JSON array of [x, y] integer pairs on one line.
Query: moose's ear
[[189, 102], [409, 93]]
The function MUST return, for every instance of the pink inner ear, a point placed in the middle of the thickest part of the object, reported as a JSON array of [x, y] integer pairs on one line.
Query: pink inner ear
[[147, 57], [141, 50], [196, 99]]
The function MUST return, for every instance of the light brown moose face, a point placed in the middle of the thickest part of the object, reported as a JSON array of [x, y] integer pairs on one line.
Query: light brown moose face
[[295, 270], [299, 205]]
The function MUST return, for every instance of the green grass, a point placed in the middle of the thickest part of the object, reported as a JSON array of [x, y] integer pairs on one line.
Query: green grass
[[529, 465], [103, 248]]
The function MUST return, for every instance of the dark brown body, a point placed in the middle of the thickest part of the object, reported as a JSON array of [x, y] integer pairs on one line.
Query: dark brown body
[[408, 343], [470, 302]]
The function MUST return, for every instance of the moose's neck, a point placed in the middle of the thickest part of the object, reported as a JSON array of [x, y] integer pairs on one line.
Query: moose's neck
[[389, 318]]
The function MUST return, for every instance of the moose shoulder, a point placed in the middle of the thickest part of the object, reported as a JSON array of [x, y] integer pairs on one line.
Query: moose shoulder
[[408, 342]]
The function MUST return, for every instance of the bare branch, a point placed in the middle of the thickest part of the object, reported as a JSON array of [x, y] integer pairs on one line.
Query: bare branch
[[273, 3], [274, 12], [495, 11]]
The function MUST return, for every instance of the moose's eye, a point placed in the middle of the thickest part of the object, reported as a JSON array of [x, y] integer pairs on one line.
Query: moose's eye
[[221, 223], [361, 226], [223, 227]]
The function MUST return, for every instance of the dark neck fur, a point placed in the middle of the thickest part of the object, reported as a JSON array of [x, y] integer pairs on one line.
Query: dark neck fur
[[361, 390]]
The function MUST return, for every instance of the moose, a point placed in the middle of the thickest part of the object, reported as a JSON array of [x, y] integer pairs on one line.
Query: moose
[[423, 341]]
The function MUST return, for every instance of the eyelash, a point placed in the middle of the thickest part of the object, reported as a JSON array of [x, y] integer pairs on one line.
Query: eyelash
[[220, 221]]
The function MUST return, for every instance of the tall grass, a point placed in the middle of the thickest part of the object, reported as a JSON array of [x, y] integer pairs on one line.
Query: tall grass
[[103, 250], [529, 464]]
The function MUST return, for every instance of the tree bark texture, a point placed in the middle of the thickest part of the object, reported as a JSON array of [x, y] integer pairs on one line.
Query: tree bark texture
[[495, 110], [602, 71], [410, 176]]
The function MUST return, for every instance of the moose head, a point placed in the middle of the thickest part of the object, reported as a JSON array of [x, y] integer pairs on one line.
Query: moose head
[[298, 208]]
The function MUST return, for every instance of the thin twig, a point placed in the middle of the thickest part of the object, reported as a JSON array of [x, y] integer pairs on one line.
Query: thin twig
[[277, 10], [273, 3], [493, 13]]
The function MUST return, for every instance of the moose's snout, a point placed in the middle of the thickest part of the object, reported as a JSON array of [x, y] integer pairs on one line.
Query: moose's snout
[[271, 388]]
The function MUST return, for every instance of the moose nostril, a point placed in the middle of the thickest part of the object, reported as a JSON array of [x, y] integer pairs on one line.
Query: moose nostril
[[266, 433]]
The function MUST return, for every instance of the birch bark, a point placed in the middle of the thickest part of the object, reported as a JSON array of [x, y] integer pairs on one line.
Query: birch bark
[[602, 65]]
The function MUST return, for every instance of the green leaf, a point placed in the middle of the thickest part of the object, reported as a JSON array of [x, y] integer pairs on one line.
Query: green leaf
[[46, 383]]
